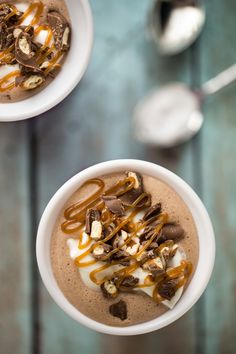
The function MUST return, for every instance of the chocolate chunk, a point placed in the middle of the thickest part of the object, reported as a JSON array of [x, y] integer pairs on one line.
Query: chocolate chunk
[[170, 231], [119, 310], [132, 195], [153, 211], [119, 239], [101, 251], [114, 204], [19, 80], [153, 264], [3, 36], [25, 54], [129, 282], [157, 273], [5, 10], [24, 50], [166, 289], [60, 28], [91, 215], [109, 289]]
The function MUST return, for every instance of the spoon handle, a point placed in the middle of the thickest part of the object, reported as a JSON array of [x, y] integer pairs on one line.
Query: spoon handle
[[220, 81]]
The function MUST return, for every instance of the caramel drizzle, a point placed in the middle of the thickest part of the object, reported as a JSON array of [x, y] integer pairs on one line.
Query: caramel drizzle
[[75, 214], [6, 56], [3, 82], [75, 222]]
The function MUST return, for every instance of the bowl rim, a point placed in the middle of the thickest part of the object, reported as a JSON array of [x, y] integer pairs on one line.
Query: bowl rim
[[37, 110], [204, 266]]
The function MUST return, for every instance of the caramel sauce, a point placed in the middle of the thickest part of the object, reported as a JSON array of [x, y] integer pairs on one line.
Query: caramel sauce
[[75, 216], [76, 212], [3, 82], [7, 56]]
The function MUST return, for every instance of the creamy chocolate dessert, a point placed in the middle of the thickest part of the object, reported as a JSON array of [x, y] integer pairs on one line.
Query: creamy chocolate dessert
[[34, 40], [124, 248]]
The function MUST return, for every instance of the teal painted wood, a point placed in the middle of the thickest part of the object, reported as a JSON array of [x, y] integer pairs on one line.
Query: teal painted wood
[[94, 124], [219, 151], [15, 327]]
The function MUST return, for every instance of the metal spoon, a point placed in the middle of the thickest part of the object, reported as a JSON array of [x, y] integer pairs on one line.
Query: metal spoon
[[172, 114], [175, 24]]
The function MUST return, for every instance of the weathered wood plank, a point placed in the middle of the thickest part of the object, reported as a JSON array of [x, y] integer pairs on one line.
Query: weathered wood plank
[[15, 328], [94, 124], [219, 151]]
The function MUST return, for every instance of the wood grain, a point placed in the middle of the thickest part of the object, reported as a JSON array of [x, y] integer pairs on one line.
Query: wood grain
[[94, 124], [15, 291], [219, 151]]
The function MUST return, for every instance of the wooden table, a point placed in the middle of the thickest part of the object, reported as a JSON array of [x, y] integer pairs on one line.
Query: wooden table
[[94, 124]]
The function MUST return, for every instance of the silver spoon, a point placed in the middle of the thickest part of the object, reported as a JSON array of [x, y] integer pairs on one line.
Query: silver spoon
[[172, 114], [175, 24]]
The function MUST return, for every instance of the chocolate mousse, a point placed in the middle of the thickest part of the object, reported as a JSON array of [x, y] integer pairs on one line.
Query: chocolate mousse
[[33, 45], [124, 248]]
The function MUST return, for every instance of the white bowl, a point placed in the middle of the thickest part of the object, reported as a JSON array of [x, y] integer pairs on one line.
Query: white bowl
[[69, 76], [205, 234]]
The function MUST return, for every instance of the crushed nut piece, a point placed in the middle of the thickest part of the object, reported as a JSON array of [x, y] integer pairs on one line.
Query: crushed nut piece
[[109, 289], [32, 82], [96, 230]]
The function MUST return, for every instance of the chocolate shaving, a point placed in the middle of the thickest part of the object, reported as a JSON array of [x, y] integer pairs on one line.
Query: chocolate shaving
[[119, 310], [91, 215], [60, 28], [25, 54], [114, 204], [153, 211], [5, 11], [132, 195], [3, 35], [171, 231], [129, 282], [166, 289]]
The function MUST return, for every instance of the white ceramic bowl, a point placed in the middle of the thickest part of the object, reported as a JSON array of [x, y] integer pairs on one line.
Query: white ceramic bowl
[[205, 233], [69, 76]]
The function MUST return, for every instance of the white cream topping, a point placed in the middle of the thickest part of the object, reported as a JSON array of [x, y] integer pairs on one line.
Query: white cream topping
[[140, 273]]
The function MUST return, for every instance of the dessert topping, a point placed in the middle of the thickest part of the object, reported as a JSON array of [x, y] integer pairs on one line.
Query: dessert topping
[[119, 309]]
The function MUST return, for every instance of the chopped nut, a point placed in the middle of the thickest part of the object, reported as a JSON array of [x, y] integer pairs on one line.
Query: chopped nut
[[24, 46], [129, 282], [132, 250], [119, 240], [32, 82], [65, 38], [119, 310], [91, 215], [146, 255], [114, 204], [173, 250], [44, 65], [96, 230], [109, 289], [17, 32], [138, 179], [60, 28], [153, 264], [165, 255], [132, 195], [100, 251]]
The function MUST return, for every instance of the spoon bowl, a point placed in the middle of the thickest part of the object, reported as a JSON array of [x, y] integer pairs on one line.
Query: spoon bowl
[[175, 24], [168, 116]]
